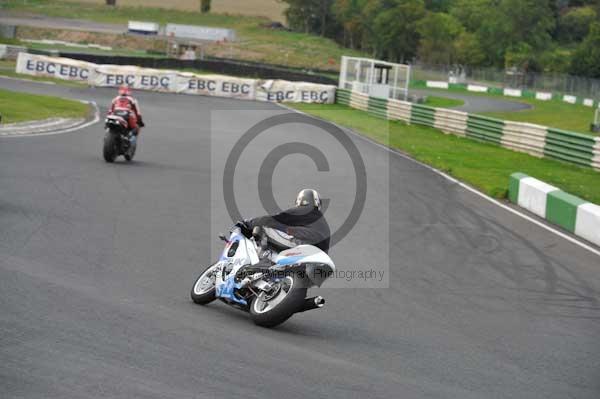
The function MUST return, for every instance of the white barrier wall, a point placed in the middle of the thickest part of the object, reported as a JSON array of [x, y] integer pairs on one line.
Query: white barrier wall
[[54, 67], [513, 92], [199, 32], [297, 92], [149, 28], [216, 85], [533, 194], [477, 88], [175, 81], [587, 224], [437, 84], [134, 77], [540, 95]]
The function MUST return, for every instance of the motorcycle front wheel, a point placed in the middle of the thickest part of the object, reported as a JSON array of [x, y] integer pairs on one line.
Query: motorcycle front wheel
[[203, 291], [270, 309]]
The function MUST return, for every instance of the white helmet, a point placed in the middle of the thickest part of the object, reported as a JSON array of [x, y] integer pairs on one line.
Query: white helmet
[[309, 197]]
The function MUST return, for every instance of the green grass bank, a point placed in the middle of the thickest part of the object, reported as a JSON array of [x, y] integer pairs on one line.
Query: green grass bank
[[484, 166], [21, 107]]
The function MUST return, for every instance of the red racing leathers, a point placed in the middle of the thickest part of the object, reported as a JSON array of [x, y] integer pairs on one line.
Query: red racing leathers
[[130, 104]]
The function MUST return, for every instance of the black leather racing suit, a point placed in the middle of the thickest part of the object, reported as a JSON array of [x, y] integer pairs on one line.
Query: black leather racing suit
[[306, 224]]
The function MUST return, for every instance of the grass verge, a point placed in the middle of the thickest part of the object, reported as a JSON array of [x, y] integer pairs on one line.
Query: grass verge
[[484, 166], [255, 42], [443, 102], [21, 107], [574, 117], [553, 113]]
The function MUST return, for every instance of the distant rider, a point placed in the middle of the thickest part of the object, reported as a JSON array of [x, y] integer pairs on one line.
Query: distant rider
[[302, 224], [125, 103]]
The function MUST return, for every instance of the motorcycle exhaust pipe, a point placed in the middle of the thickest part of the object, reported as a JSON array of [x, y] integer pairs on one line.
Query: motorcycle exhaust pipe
[[313, 303]]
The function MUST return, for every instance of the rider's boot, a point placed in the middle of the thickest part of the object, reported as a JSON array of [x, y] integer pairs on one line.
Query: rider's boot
[[133, 136]]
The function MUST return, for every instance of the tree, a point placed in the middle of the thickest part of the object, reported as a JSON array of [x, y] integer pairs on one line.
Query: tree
[[501, 25], [438, 5], [472, 14], [394, 29], [438, 32], [574, 24], [204, 6], [299, 14], [556, 60], [528, 21], [586, 60], [520, 56], [349, 14], [309, 16], [468, 49]]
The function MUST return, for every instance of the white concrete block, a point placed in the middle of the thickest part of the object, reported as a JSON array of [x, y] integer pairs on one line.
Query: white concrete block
[[543, 96], [513, 92], [478, 89], [587, 224], [437, 84], [532, 195]]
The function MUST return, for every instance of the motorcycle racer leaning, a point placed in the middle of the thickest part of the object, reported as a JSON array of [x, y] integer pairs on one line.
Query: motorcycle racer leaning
[[125, 102], [302, 224]]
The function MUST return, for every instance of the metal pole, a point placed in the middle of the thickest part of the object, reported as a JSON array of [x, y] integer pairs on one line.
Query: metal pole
[[395, 81], [343, 69], [407, 83]]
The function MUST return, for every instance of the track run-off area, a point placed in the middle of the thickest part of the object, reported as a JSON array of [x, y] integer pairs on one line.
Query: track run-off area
[[97, 261]]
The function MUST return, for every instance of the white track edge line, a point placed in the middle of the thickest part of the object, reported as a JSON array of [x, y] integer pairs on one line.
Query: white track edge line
[[461, 184]]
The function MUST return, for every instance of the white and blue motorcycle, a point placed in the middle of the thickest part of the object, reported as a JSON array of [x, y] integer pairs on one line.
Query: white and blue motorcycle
[[257, 276]]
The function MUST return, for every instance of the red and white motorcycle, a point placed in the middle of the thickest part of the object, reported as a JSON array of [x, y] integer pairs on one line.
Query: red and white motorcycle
[[118, 139]]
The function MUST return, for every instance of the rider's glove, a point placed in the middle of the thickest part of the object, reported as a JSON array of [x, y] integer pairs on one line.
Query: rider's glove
[[246, 230]]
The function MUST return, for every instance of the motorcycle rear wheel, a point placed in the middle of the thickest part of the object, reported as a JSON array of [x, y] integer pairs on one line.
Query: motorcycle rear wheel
[[109, 150], [270, 310]]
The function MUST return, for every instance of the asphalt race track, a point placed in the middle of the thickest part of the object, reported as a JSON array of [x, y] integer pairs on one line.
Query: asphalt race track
[[97, 260], [474, 103]]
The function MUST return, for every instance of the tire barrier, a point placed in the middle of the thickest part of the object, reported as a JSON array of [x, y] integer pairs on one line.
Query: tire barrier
[[573, 214], [536, 140], [174, 81]]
